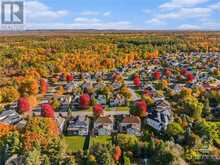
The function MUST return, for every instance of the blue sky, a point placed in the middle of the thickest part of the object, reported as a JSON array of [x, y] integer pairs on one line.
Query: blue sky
[[123, 14]]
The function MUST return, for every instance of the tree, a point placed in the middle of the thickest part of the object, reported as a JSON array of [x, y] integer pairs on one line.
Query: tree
[[174, 129], [84, 101], [126, 141], [206, 108], [157, 75], [28, 86], [24, 105], [98, 109], [140, 108], [69, 77], [124, 91], [102, 153], [32, 101], [137, 81], [126, 160], [189, 77], [192, 107], [47, 111], [91, 160], [46, 160], [43, 86], [33, 157], [8, 94], [118, 153]]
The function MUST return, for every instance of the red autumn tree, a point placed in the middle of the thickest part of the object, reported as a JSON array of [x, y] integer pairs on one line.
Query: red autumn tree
[[69, 77], [156, 75], [118, 153], [168, 72], [98, 109], [84, 101], [24, 105], [189, 77], [183, 71], [44, 86], [141, 108], [137, 81], [47, 111]]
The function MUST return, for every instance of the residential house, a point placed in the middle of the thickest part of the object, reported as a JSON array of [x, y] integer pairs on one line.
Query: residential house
[[131, 125], [117, 100], [116, 85], [78, 126], [103, 125], [101, 99], [161, 116], [10, 117]]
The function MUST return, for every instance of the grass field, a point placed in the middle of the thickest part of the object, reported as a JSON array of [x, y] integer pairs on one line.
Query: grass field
[[121, 109], [101, 139], [74, 143]]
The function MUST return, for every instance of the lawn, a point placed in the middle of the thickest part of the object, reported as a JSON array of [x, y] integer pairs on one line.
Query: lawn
[[100, 139], [120, 109], [74, 143]]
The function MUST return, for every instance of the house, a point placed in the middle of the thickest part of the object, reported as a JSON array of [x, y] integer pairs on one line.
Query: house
[[87, 85], [116, 85], [103, 125], [161, 116], [86, 76], [101, 99], [78, 126], [178, 88], [69, 87], [131, 125], [76, 100], [10, 117], [117, 101]]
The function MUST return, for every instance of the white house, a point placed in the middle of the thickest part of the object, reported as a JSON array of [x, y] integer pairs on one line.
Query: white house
[[103, 125]]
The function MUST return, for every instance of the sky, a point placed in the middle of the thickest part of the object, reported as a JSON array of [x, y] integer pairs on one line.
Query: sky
[[123, 14]]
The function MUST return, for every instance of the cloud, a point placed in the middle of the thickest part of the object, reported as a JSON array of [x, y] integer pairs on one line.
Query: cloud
[[89, 13], [120, 25], [183, 13], [36, 11], [181, 3], [189, 27], [107, 13], [215, 7], [84, 20], [155, 21]]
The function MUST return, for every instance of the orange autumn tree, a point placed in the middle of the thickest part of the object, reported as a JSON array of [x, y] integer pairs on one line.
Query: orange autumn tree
[[41, 131], [118, 153], [27, 85], [43, 86], [6, 129]]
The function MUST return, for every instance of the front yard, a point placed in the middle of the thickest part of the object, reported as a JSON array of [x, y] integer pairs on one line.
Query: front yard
[[100, 139], [74, 143]]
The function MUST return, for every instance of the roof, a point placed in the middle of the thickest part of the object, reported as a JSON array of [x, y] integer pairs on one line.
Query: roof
[[105, 119], [131, 119]]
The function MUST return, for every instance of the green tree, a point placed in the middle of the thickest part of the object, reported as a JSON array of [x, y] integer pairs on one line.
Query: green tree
[[126, 160], [33, 157], [103, 153], [174, 129]]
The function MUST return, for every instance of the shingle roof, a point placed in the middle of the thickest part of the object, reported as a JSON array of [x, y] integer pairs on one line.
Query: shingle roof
[[104, 119], [131, 119]]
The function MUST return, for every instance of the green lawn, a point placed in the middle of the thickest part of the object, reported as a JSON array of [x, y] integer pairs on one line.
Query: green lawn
[[123, 109], [74, 143], [100, 139]]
